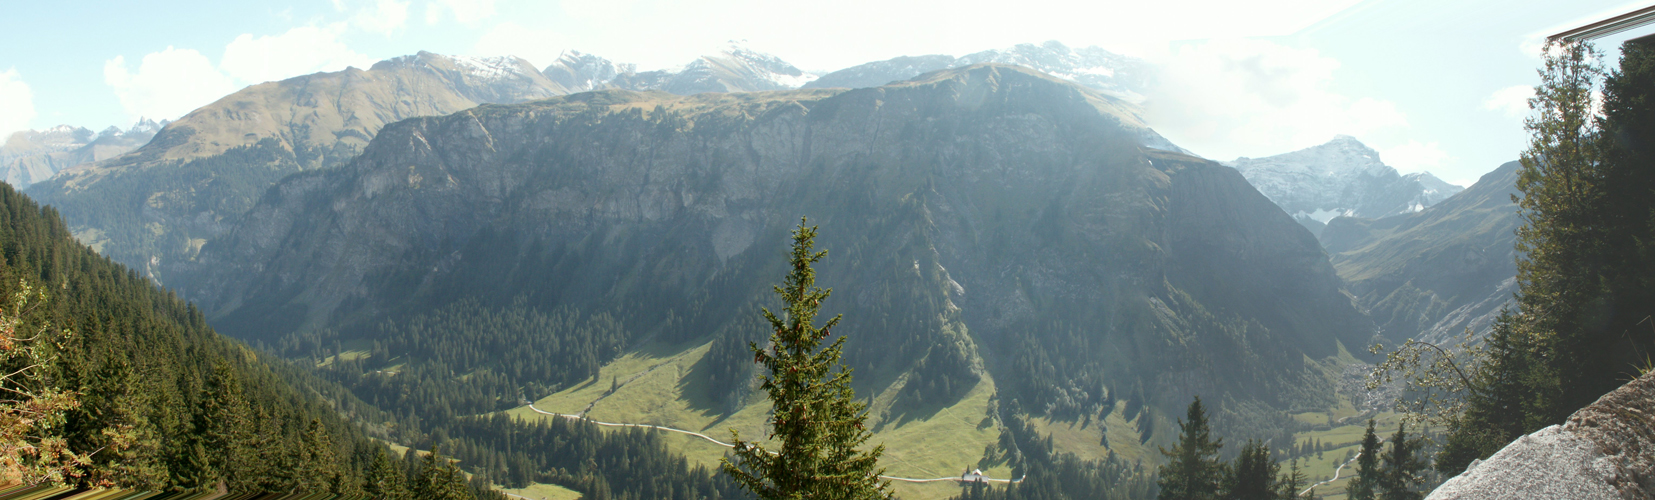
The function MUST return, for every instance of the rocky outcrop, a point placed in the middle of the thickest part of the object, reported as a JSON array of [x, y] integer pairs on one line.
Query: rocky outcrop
[[1604, 451]]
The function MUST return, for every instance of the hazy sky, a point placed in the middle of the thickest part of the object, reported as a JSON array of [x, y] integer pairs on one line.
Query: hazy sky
[[1432, 84]]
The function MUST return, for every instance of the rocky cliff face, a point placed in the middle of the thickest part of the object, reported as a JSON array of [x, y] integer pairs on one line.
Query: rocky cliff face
[[160, 202], [1341, 178], [992, 203], [1433, 273], [32, 156]]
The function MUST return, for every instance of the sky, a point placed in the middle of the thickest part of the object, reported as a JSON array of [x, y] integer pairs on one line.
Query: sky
[[1432, 85]]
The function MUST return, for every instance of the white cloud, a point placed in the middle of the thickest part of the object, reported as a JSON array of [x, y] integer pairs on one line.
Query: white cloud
[[300, 51], [467, 12], [1513, 101], [167, 85], [16, 104], [1414, 156], [384, 17], [540, 47], [1229, 98]]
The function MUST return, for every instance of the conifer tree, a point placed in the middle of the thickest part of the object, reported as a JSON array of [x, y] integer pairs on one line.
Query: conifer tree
[[228, 428], [1399, 471], [1293, 481], [439, 479], [1362, 486], [1561, 241], [385, 479], [1192, 471], [814, 415], [1253, 476]]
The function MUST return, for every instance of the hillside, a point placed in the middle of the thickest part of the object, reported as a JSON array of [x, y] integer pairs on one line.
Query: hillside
[[1431, 274], [999, 239], [191, 407], [159, 203]]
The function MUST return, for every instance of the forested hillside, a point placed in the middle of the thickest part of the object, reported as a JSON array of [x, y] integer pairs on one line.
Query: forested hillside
[[163, 401]]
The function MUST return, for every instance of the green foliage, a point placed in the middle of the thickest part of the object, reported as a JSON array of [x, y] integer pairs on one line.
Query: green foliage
[[439, 479], [33, 407], [580, 456], [1252, 476], [166, 402], [465, 358], [386, 478], [1047, 475], [815, 415], [1293, 481], [1193, 470], [1399, 472], [1584, 260], [1366, 482]]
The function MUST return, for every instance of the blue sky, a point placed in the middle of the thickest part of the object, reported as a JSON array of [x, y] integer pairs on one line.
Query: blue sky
[[1433, 85]]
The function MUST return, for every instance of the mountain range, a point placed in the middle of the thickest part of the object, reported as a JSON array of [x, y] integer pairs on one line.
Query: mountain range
[[1342, 177], [32, 156], [1138, 276], [202, 172]]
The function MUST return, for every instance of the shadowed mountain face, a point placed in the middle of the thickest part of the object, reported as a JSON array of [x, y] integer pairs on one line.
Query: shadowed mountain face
[[159, 203], [1432, 274], [987, 207]]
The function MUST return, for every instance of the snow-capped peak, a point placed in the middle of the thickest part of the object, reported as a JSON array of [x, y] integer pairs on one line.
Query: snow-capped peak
[[1341, 177]]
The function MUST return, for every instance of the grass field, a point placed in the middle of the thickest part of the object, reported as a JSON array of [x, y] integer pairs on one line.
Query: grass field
[[655, 385]]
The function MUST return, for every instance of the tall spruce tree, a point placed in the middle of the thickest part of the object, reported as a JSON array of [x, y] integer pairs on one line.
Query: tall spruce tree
[[1560, 271], [439, 479], [814, 414], [1293, 481], [385, 479], [1362, 486], [1399, 469], [1192, 471], [1253, 475]]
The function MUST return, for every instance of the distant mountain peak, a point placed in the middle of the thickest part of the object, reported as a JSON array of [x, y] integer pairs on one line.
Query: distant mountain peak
[[1119, 76], [1342, 177]]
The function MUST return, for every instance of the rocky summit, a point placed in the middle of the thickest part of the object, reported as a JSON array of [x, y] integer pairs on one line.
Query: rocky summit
[[1340, 178]]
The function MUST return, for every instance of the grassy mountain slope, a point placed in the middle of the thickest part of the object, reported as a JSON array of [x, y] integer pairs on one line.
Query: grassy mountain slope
[[160, 202], [999, 241], [1433, 273]]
